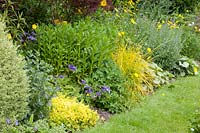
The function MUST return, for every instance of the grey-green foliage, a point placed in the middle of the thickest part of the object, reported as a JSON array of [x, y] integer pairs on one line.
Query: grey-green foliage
[[166, 43], [41, 85], [13, 81], [40, 126]]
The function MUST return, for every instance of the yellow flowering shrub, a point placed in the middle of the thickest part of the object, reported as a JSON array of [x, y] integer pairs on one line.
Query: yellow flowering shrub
[[136, 68], [74, 115]]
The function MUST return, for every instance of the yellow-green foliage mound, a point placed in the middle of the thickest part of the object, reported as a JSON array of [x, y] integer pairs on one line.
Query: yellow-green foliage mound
[[13, 81], [74, 115], [135, 67]]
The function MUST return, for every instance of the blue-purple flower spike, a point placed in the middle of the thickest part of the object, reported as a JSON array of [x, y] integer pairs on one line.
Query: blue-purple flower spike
[[89, 91], [98, 94], [33, 33], [8, 122], [105, 88], [31, 38], [16, 123], [72, 67], [83, 82], [61, 76], [87, 87]]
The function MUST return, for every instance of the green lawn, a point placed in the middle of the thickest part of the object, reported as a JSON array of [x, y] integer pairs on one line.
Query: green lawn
[[167, 111]]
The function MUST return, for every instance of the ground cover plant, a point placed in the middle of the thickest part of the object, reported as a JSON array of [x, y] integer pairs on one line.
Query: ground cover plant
[[88, 60]]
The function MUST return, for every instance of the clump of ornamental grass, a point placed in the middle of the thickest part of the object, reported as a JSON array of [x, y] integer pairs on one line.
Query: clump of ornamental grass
[[132, 64]]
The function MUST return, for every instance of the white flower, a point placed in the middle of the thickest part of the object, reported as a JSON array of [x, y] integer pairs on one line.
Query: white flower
[[192, 24]]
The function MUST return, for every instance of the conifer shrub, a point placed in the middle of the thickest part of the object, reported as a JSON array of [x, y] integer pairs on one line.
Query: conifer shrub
[[13, 81]]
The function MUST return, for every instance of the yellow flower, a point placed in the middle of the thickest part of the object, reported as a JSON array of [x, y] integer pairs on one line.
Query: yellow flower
[[130, 2], [103, 3], [169, 22], [163, 94], [133, 21], [121, 34], [149, 50], [117, 15], [56, 21], [195, 70], [181, 16], [64, 22], [173, 26], [79, 11], [9, 36], [34, 26], [125, 11], [163, 21], [136, 75], [159, 26]]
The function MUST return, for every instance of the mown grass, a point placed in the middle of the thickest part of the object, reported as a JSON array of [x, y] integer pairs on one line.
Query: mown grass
[[166, 111]]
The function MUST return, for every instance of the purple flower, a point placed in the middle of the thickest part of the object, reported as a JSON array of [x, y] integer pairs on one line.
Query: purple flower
[[87, 87], [61, 76], [16, 123], [8, 122], [83, 82], [31, 38], [98, 94], [33, 33], [105, 88], [72, 67], [22, 38], [88, 91], [26, 33]]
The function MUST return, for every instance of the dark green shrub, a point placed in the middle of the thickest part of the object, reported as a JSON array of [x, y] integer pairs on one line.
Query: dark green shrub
[[160, 8], [13, 82], [15, 23], [191, 46], [86, 45], [106, 89]]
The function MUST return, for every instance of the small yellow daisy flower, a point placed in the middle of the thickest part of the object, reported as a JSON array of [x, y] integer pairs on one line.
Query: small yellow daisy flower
[[130, 2], [149, 50], [121, 34], [9, 36], [34, 26], [64, 22], [195, 70], [159, 26], [133, 21], [103, 3], [136, 75]]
